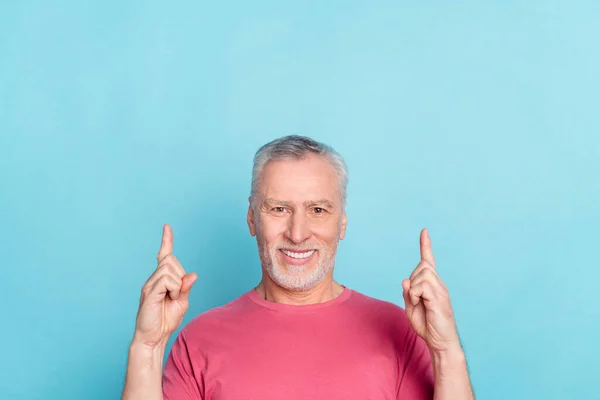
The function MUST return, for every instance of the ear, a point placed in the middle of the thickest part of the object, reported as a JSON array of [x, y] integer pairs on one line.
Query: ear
[[250, 218], [343, 227]]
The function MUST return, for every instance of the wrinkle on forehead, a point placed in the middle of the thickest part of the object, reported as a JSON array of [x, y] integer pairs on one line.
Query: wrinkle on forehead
[[309, 180]]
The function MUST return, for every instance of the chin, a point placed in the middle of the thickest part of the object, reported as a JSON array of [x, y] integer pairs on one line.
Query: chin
[[293, 277]]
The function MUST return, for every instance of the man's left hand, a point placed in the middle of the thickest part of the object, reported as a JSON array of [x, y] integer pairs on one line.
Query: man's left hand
[[427, 303]]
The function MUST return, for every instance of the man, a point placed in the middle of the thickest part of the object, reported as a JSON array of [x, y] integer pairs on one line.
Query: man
[[298, 334]]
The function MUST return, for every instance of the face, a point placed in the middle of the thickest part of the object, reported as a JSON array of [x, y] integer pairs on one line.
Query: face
[[298, 220]]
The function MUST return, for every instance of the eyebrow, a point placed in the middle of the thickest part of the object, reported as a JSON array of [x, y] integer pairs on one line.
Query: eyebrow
[[322, 202], [309, 203], [272, 201]]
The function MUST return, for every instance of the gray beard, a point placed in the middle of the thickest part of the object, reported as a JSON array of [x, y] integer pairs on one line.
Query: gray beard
[[294, 277]]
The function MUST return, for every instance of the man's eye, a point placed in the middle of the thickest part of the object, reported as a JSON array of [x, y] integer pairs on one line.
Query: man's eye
[[319, 210], [278, 209]]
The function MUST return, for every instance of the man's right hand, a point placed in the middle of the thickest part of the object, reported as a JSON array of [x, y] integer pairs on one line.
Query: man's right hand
[[164, 298]]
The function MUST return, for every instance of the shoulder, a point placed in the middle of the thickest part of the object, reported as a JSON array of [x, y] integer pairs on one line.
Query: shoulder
[[362, 300], [379, 309], [217, 318]]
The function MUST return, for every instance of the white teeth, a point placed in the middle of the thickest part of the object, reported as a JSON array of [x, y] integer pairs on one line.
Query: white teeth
[[298, 255]]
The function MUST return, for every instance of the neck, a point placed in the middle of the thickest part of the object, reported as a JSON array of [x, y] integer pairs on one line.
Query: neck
[[326, 290]]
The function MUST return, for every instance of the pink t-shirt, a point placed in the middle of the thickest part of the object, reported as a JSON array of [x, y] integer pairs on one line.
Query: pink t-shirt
[[351, 347]]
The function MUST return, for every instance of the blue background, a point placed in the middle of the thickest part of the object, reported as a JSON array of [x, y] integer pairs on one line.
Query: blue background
[[478, 120]]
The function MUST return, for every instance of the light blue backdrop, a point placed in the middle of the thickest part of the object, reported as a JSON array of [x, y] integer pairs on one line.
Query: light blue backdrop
[[478, 120]]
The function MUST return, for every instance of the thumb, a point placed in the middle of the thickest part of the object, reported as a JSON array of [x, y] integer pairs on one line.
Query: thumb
[[186, 284], [406, 287]]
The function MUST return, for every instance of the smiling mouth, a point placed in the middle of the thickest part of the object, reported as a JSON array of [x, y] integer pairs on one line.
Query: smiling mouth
[[298, 255]]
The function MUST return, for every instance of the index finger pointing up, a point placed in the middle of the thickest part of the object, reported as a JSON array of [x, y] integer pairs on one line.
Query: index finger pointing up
[[426, 251], [166, 247]]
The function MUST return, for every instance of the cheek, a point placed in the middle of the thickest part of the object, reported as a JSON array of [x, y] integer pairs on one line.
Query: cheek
[[328, 232], [270, 230]]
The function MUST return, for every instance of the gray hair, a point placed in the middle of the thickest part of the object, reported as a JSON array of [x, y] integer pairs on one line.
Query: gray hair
[[295, 147]]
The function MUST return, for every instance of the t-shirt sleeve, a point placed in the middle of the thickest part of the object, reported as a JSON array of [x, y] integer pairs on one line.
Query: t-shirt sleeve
[[179, 381], [416, 370]]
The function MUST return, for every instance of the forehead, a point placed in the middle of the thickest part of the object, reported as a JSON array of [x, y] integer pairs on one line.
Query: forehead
[[310, 178]]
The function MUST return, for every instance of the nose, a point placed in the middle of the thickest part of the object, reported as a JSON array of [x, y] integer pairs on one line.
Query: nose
[[298, 229]]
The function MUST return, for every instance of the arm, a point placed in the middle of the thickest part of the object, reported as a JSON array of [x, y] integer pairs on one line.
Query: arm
[[451, 376], [163, 303], [144, 373], [431, 316]]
